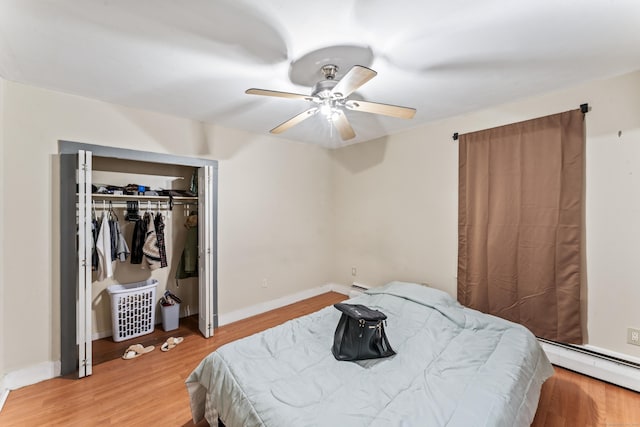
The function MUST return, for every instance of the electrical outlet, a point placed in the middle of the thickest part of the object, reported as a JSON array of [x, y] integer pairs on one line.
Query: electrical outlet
[[265, 283], [633, 336], [354, 271]]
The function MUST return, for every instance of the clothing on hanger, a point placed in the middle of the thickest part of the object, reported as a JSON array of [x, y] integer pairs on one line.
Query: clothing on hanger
[[150, 247], [162, 250], [188, 265], [114, 228], [122, 250], [133, 213], [114, 239], [95, 229], [103, 247], [139, 236]]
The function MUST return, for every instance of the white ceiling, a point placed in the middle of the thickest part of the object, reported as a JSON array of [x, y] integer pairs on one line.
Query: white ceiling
[[195, 58]]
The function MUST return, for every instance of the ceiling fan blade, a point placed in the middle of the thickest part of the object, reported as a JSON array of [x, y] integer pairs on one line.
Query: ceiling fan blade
[[294, 120], [265, 92], [341, 123], [355, 77], [384, 109]]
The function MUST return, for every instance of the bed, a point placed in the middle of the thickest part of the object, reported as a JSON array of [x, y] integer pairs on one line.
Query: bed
[[454, 366]]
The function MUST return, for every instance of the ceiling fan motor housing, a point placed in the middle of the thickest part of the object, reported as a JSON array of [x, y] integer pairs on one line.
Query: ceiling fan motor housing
[[323, 88]]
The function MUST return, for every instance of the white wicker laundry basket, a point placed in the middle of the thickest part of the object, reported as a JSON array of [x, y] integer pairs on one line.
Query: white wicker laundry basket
[[133, 309]]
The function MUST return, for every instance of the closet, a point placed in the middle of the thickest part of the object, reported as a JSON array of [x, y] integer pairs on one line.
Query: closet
[[84, 302]]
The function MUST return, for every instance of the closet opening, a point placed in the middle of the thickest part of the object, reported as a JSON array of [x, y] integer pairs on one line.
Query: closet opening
[[178, 195], [176, 215]]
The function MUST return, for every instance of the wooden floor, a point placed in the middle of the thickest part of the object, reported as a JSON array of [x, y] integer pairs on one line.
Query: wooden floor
[[150, 390], [106, 349], [569, 399]]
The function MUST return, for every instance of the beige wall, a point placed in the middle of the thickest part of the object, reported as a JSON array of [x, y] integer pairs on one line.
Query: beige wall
[[274, 207], [396, 202], [276, 224], [300, 216], [2, 299]]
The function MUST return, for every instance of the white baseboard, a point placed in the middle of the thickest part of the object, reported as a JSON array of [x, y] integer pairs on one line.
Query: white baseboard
[[47, 370], [4, 393], [243, 313], [100, 335], [593, 366], [335, 287], [108, 333], [253, 310], [612, 353], [3, 398], [31, 375]]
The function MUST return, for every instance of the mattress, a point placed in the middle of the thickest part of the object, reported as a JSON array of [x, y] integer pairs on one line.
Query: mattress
[[454, 367]]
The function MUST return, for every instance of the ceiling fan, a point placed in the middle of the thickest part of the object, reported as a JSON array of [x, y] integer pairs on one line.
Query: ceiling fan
[[330, 97]]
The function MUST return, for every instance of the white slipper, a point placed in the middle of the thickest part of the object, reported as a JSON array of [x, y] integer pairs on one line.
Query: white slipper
[[170, 343], [136, 350]]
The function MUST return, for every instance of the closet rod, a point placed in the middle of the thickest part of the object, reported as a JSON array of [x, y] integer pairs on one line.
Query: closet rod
[[137, 196], [123, 203], [140, 198]]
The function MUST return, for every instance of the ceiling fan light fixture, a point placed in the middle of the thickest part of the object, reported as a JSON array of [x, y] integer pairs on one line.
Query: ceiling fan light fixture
[[326, 109], [330, 109]]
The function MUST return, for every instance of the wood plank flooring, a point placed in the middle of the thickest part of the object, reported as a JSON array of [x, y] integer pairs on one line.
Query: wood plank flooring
[[150, 390], [106, 349], [569, 399]]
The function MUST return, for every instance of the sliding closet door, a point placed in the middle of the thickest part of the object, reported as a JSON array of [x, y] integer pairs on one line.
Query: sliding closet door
[[206, 251], [83, 305]]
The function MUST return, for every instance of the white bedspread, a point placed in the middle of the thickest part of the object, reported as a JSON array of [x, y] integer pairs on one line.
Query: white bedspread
[[454, 367]]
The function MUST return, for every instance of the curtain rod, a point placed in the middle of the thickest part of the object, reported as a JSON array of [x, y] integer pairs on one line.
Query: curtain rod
[[583, 107]]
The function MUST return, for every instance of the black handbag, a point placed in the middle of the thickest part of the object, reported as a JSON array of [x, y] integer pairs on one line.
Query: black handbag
[[360, 334]]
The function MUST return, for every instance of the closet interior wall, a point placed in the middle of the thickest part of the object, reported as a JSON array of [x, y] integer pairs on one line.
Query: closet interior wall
[[121, 173]]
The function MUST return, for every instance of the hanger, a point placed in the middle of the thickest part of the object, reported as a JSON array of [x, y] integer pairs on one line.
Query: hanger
[[112, 214], [133, 211]]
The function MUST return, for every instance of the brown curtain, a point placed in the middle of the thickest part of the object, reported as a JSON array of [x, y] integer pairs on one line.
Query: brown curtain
[[520, 221]]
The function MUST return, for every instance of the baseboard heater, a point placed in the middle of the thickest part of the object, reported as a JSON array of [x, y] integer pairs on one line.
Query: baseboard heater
[[589, 361], [358, 288]]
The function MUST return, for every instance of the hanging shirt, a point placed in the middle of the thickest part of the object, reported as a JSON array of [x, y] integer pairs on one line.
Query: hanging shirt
[[150, 248], [113, 228], [122, 250], [159, 225], [95, 228], [139, 236], [103, 247], [188, 265]]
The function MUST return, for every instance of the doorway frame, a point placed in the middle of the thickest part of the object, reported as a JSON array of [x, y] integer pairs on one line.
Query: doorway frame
[[68, 153]]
